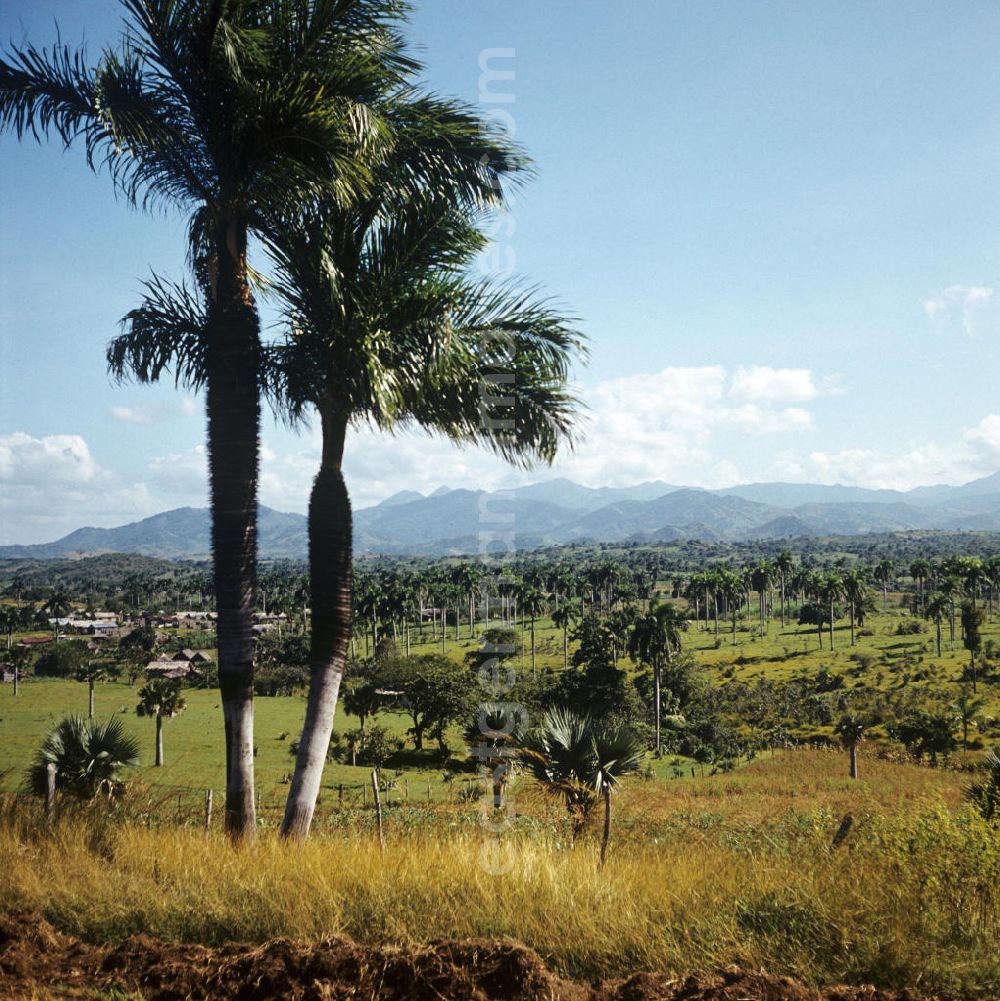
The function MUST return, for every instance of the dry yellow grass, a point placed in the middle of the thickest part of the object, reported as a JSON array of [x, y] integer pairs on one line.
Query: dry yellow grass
[[736, 869]]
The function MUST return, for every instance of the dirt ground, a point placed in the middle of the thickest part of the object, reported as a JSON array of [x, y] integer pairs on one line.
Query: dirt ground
[[38, 962]]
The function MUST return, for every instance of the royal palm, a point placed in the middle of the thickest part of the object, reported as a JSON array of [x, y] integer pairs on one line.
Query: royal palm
[[233, 111]]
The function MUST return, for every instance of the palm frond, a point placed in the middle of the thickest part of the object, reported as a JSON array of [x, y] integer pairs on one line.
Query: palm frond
[[167, 332]]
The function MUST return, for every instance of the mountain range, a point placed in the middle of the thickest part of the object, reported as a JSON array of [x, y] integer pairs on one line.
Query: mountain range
[[561, 511]]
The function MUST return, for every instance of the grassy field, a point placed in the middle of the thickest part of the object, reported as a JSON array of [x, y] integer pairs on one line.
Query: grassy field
[[882, 661], [733, 869]]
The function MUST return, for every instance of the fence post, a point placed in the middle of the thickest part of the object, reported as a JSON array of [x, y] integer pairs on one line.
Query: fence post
[[208, 809], [50, 791], [340, 794], [406, 790], [378, 812], [428, 790]]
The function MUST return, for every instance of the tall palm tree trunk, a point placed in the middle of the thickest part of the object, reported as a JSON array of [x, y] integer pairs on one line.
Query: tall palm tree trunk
[[90, 698], [233, 410], [656, 699], [330, 554], [854, 761], [158, 761]]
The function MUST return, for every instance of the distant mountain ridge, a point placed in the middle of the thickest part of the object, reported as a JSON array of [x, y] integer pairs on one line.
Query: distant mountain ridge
[[561, 511]]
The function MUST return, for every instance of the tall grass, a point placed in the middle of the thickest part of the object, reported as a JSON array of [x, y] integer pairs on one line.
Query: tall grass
[[911, 898]]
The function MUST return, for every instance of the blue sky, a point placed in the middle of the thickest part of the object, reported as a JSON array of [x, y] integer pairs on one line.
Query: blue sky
[[778, 223]]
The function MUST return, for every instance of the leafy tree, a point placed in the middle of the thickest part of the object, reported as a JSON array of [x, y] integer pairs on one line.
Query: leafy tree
[[924, 732], [88, 757], [361, 696], [436, 693], [281, 664], [161, 698], [378, 747], [62, 660]]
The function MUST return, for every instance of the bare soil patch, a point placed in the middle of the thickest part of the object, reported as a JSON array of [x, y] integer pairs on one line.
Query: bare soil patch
[[36, 961]]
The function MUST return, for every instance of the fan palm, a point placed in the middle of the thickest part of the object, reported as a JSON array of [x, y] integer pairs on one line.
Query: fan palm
[[88, 757], [161, 698], [578, 761]]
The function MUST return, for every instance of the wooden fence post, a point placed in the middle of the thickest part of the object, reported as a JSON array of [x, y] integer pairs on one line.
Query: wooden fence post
[[50, 791], [208, 810], [428, 790], [406, 790], [378, 812], [340, 794]]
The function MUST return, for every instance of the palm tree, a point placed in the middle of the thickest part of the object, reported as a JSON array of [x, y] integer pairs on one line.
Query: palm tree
[[92, 671], [233, 111], [389, 329], [832, 588], [937, 606], [855, 589], [562, 618], [88, 757], [10, 619], [58, 604], [762, 579], [851, 730], [575, 759], [967, 710], [972, 623], [920, 570], [532, 603], [883, 574], [728, 584], [654, 640], [784, 564], [161, 698]]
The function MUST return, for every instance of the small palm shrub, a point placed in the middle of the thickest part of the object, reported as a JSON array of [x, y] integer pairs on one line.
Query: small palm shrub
[[88, 757]]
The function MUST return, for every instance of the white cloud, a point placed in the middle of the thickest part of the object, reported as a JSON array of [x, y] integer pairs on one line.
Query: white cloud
[[760, 383], [985, 436], [145, 414], [974, 306], [181, 476], [755, 419], [974, 453], [52, 485]]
